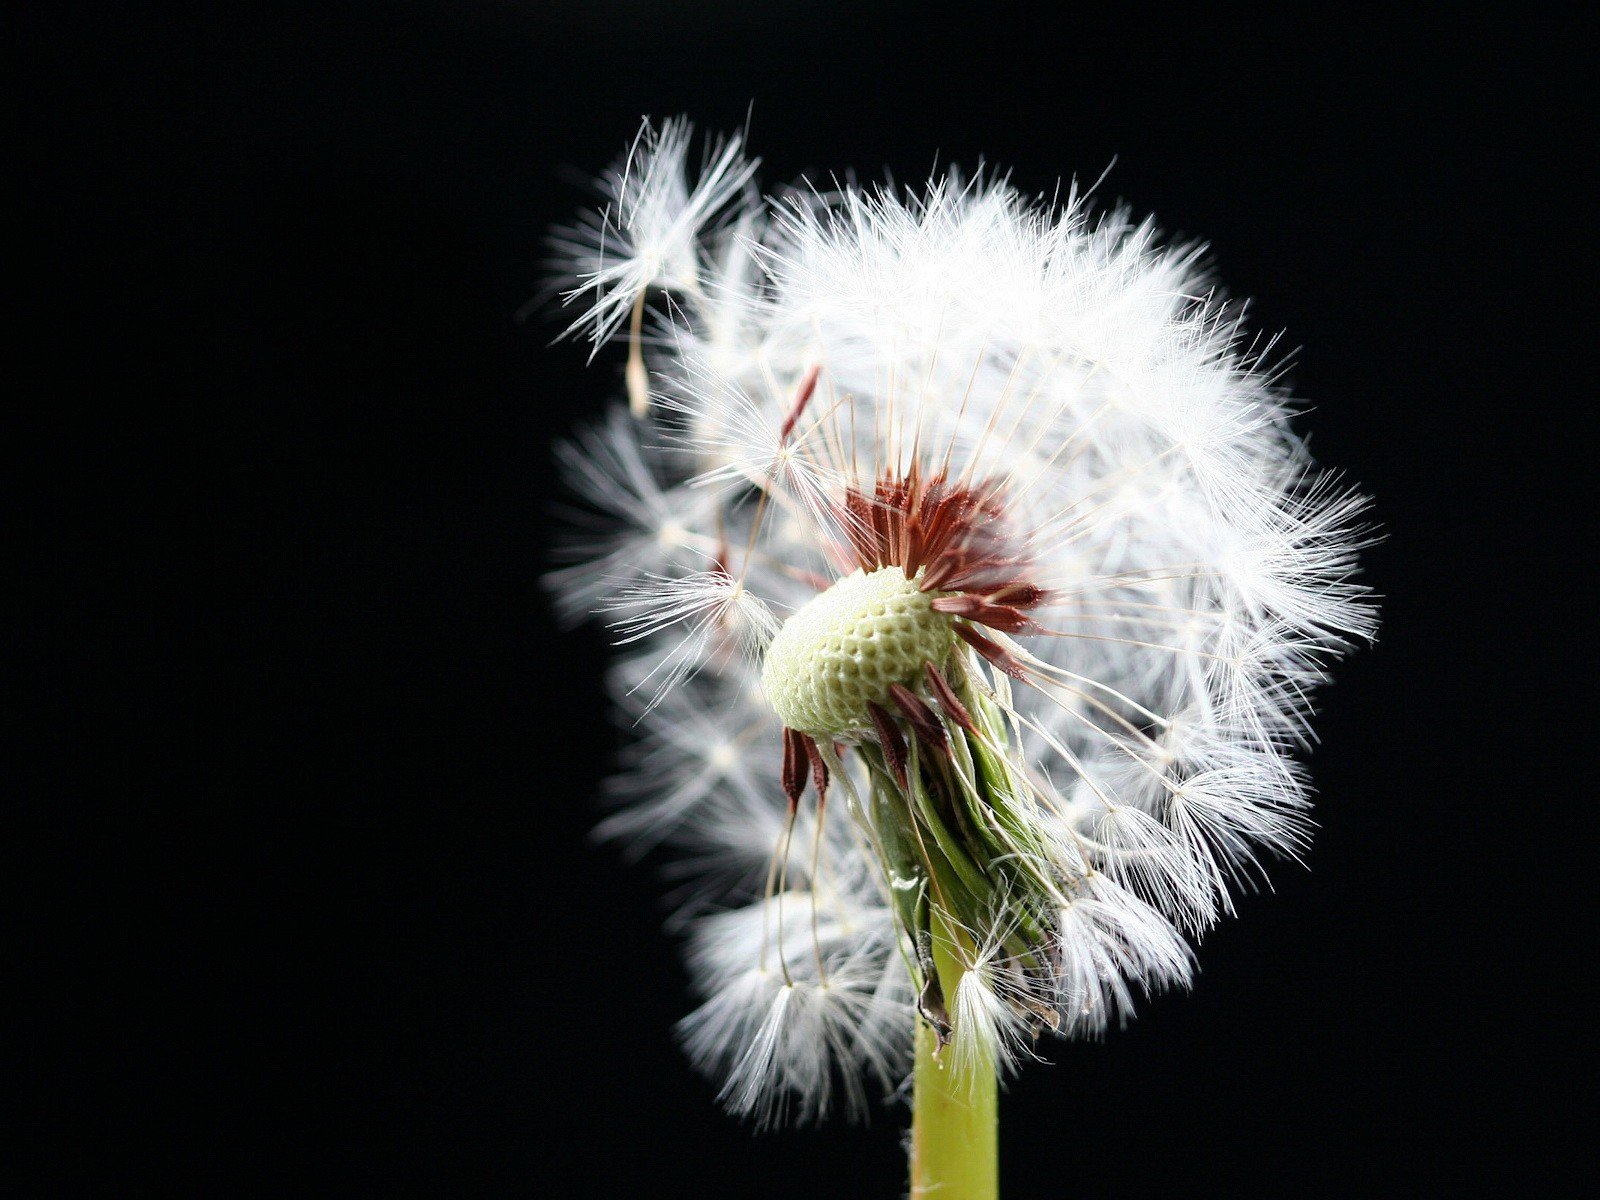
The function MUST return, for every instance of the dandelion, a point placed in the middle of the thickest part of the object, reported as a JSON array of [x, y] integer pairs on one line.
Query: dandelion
[[972, 587]]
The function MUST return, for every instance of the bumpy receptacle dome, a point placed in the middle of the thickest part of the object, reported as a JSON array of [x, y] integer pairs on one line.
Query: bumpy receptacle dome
[[840, 653]]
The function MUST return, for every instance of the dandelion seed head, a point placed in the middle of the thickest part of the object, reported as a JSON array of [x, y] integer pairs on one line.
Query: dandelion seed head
[[972, 588]]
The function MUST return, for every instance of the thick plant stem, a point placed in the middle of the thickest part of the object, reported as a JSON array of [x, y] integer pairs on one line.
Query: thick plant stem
[[955, 1115]]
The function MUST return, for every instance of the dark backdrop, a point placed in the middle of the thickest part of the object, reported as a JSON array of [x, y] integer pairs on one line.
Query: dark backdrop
[[312, 904]]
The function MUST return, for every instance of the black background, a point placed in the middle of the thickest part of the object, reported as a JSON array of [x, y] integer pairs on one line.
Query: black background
[[311, 904]]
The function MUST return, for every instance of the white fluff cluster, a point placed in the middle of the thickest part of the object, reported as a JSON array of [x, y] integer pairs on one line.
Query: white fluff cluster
[[1117, 448]]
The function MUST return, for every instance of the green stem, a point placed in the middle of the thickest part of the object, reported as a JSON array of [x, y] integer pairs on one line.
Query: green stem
[[954, 1114]]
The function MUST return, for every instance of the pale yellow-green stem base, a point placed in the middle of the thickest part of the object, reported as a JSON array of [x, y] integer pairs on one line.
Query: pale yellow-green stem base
[[954, 1116]]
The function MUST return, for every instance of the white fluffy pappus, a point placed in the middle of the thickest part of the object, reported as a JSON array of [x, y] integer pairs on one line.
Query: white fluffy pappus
[[1101, 577]]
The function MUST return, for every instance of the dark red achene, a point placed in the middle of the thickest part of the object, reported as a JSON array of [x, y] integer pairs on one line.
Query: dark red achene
[[956, 535]]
